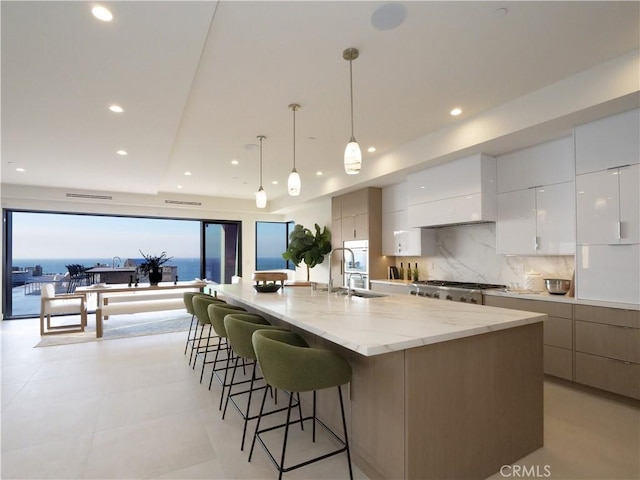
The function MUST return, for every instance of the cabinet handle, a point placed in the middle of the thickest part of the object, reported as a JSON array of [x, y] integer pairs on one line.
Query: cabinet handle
[[619, 361], [619, 230], [535, 242], [624, 327]]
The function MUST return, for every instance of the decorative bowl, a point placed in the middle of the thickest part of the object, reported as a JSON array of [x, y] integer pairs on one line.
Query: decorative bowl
[[267, 288], [557, 286]]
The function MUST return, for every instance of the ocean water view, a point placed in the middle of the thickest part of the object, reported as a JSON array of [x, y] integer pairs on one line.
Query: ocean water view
[[188, 268]]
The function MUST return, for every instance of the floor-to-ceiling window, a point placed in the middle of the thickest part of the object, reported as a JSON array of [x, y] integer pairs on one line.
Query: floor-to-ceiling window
[[222, 252], [41, 247], [272, 239]]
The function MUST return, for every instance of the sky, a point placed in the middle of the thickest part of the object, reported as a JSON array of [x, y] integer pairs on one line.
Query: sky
[[44, 235]]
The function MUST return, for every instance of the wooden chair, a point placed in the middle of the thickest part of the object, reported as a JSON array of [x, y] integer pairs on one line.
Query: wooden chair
[[52, 304]]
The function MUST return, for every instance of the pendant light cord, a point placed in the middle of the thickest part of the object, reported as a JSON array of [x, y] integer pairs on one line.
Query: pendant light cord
[[351, 88], [294, 138], [261, 162]]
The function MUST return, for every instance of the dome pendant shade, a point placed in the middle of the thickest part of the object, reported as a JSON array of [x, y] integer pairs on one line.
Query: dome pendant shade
[[261, 198], [352, 158], [294, 183]]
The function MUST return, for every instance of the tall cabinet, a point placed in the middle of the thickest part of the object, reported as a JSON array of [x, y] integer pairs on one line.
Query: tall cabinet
[[607, 155], [358, 216], [536, 200]]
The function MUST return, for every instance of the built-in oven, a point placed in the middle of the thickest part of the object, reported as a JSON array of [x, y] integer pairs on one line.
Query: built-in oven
[[356, 269]]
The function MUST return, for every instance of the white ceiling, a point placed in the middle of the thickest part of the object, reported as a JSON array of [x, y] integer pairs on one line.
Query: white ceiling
[[200, 80]]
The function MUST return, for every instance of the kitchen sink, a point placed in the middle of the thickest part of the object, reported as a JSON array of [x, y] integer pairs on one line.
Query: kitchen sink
[[360, 293]]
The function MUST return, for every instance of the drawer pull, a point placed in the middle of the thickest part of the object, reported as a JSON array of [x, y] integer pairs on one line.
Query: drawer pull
[[620, 361]]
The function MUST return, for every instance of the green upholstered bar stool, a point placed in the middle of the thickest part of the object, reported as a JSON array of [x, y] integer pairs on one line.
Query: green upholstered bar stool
[[216, 316], [187, 297], [240, 328], [202, 344], [288, 363]]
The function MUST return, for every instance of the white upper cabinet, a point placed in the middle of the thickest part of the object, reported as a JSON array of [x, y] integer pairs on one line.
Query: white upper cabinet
[[397, 238], [460, 191], [555, 219], [608, 205], [536, 221], [516, 227], [543, 164], [536, 203], [609, 142]]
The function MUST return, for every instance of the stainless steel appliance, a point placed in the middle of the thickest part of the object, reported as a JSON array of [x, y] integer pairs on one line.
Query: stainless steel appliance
[[356, 270], [453, 291]]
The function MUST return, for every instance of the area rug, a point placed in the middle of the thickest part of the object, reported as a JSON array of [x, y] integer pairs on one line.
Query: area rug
[[123, 326]]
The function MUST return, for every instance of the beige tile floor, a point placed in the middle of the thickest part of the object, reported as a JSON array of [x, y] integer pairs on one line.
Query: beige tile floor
[[132, 409]]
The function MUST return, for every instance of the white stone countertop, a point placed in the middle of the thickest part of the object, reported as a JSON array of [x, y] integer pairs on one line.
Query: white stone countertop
[[547, 297], [373, 326]]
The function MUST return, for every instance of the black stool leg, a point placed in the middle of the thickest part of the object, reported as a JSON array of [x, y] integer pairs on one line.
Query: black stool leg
[[233, 376], [344, 427], [286, 434], [255, 435], [189, 334]]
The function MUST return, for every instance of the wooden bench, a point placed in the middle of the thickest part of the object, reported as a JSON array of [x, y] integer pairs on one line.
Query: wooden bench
[[119, 300]]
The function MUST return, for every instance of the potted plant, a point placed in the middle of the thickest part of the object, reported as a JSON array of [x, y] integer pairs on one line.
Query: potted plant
[[306, 247], [151, 266]]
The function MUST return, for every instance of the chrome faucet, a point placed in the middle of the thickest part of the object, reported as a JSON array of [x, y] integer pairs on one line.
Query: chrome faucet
[[113, 265], [349, 289], [353, 259]]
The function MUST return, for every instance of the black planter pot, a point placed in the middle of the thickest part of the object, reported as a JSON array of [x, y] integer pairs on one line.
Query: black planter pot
[[155, 276]]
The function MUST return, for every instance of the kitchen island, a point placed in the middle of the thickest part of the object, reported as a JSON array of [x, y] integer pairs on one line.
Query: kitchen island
[[439, 389]]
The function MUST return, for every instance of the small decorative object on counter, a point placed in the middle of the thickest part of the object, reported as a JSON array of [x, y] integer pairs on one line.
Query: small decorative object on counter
[[130, 280], [415, 273], [402, 271], [533, 281], [176, 280], [137, 281]]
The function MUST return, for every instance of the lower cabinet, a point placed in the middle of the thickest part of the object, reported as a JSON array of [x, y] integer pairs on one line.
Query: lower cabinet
[[558, 331], [608, 349], [595, 346]]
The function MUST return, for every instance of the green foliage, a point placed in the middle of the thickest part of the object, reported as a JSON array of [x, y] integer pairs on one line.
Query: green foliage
[[153, 262], [306, 247]]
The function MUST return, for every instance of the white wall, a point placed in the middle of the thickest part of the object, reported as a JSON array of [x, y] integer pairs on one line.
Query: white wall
[[308, 214]]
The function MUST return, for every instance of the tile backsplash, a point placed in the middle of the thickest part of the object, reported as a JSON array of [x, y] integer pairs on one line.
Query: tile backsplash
[[468, 253]]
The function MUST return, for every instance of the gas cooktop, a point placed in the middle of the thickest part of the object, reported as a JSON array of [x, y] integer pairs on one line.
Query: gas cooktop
[[464, 285]]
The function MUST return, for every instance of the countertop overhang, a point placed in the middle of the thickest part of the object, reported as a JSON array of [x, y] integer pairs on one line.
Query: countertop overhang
[[374, 326]]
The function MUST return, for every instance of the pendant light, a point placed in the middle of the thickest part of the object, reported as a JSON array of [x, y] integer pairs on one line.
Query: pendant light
[[293, 183], [352, 153], [261, 195]]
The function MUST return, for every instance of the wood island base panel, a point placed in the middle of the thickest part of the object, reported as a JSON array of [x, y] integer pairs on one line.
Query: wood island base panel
[[459, 408]]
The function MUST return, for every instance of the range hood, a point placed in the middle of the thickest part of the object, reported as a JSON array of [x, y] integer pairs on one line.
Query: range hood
[[462, 191]]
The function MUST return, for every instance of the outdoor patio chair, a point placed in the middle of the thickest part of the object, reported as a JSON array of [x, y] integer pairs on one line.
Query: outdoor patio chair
[[52, 304]]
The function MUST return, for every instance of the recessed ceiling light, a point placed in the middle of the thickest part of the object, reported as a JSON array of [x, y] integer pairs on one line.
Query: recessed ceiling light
[[116, 108], [122, 152], [275, 182], [178, 186], [234, 162], [371, 149], [456, 111], [318, 173], [187, 173], [102, 13], [19, 169]]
